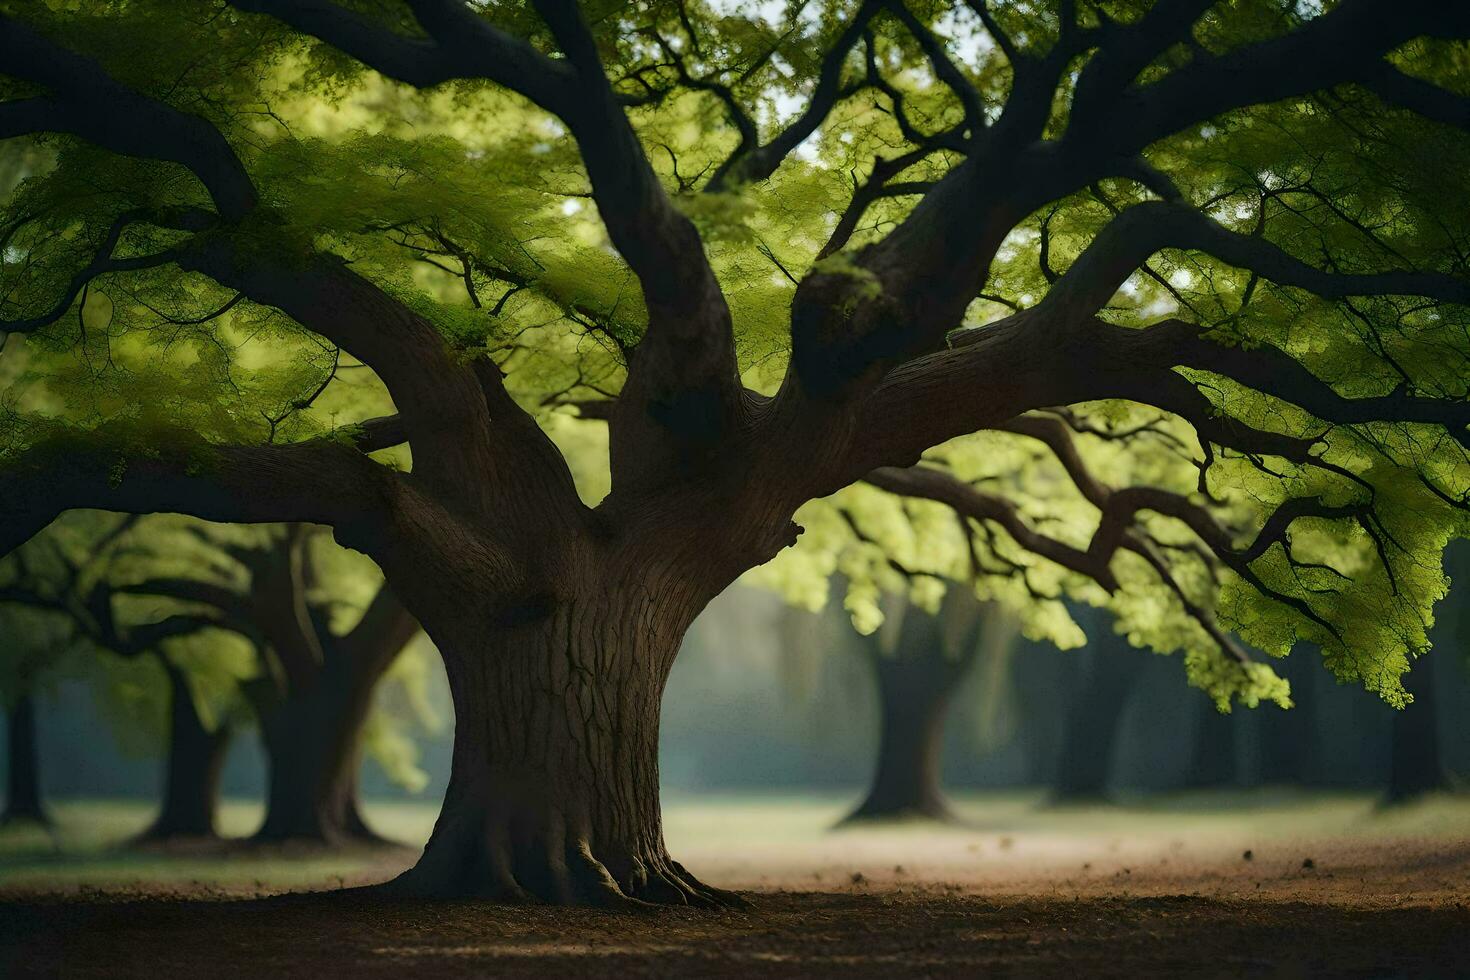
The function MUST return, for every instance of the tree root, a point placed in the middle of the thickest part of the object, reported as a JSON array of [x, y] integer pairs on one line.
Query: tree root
[[567, 875], [869, 814]]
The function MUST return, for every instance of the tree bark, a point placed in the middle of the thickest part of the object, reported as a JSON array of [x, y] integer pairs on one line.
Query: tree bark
[[1416, 765], [23, 785], [553, 793], [1092, 726], [196, 757]]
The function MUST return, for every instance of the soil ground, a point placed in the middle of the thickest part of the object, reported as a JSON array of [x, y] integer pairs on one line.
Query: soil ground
[[1332, 886]]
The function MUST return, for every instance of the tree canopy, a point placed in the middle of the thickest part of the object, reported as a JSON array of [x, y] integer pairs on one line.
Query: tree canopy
[[1160, 306]]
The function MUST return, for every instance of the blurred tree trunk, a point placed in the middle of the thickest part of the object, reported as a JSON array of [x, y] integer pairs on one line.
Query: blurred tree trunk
[[1093, 723], [196, 757], [313, 749], [916, 681], [312, 726], [914, 692], [23, 786], [1416, 766], [1287, 748], [1416, 760], [1212, 761]]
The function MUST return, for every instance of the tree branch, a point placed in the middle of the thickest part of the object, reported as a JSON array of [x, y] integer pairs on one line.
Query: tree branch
[[1138, 232], [175, 471], [760, 162], [85, 101], [1327, 51]]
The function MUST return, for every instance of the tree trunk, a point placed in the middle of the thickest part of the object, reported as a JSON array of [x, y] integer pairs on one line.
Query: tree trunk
[[1416, 766], [1212, 760], [313, 739], [1092, 725], [196, 757], [553, 793], [1287, 748], [312, 729], [23, 786], [914, 692]]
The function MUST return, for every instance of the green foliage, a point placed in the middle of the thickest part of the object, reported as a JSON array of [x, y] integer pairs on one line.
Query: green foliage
[[473, 209]]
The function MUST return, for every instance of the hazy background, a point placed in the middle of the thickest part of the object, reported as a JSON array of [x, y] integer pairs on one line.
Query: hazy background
[[748, 709]]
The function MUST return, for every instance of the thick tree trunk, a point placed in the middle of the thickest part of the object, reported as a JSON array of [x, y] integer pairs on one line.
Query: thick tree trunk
[[196, 757], [1092, 726], [1212, 761], [23, 784], [1416, 765], [313, 740], [914, 692], [553, 794]]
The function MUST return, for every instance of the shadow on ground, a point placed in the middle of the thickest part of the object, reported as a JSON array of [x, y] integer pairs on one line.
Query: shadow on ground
[[921, 932]]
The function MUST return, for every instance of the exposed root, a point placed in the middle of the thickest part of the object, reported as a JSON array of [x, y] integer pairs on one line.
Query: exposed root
[[570, 874]]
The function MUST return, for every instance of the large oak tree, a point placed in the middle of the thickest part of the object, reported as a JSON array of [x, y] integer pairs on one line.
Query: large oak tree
[[828, 240]]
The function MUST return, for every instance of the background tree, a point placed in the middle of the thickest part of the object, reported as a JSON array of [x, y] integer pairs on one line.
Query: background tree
[[62, 582], [323, 632], [1213, 760], [41, 602], [1093, 724], [917, 662], [1048, 223], [313, 690], [28, 651], [1416, 760]]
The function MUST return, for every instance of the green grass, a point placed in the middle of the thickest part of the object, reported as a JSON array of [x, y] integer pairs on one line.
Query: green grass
[[88, 846]]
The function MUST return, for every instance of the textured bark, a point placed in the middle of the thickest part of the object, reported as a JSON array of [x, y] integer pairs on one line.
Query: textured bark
[[1416, 765], [196, 757], [553, 794], [1092, 726], [23, 783]]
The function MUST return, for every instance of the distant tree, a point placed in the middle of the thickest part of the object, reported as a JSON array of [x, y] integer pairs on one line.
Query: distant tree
[[1287, 752], [1198, 267], [1094, 721], [313, 690], [1213, 762], [1416, 756], [40, 609], [917, 664], [1416, 760]]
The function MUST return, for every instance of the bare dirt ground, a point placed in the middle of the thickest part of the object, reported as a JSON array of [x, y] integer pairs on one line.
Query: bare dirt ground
[[1331, 887]]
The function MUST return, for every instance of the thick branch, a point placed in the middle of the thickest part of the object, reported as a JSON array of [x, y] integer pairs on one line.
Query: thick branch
[[935, 484], [761, 162], [439, 398], [1138, 232], [385, 629], [85, 101], [175, 472], [1416, 95], [463, 45], [1327, 51], [682, 396]]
